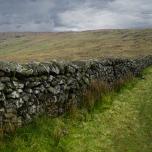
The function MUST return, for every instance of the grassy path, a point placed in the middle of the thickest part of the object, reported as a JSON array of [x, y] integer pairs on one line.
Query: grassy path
[[122, 123], [125, 127]]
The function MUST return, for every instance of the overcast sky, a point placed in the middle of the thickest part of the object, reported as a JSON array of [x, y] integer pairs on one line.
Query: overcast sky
[[74, 15]]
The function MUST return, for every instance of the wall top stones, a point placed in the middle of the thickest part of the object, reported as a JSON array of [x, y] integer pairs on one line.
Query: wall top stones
[[59, 67]]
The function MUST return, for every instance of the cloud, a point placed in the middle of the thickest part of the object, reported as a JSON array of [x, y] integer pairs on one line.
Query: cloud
[[67, 15], [116, 14], [26, 15]]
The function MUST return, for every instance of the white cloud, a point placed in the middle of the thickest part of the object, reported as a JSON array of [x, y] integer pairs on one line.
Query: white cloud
[[117, 14], [76, 15]]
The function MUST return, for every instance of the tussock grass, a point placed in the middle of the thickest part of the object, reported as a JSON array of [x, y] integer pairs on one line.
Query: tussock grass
[[94, 93], [58, 132], [98, 89]]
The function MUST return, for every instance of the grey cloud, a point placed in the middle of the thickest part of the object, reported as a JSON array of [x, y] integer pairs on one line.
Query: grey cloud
[[76, 15], [115, 14]]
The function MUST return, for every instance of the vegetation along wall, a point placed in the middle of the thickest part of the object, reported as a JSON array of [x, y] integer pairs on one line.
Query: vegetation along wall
[[29, 90]]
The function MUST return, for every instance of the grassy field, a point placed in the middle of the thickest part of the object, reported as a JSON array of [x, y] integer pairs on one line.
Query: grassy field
[[25, 47], [121, 122]]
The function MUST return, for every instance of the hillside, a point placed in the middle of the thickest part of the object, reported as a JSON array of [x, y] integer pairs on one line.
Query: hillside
[[25, 47]]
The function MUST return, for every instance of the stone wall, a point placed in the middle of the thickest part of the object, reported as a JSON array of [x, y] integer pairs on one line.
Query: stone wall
[[29, 90]]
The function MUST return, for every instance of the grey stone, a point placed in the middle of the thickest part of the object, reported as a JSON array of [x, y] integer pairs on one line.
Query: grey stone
[[29, 91], [55, 70], [86, 80], [2, 86], [14, 95], [19, 103], [20, 90], [44, 78], [61, 82], [2, 110], [41, 88], [50, 78], [28, 118], [2, 97], [24, 71], [8, 90], [32, 110], [18, 85], [33, 84], [11, 110], [25, 98], [2, 73], [36, 91], [9, 85], [71, 69], [54, 90], [9, 115], [4, 79]]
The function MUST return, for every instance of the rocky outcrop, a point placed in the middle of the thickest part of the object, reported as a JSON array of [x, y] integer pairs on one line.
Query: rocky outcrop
[[29, 90]]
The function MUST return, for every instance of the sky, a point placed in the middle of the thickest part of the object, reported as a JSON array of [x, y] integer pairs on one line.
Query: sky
[[74, 15]]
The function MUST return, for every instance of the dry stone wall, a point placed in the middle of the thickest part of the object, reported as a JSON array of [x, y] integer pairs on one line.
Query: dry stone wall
[[29, 90]]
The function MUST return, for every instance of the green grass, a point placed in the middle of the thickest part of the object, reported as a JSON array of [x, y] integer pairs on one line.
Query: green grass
[[75, 45], [121, 122]]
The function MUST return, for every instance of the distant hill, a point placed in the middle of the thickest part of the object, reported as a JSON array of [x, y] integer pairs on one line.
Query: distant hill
[[26, 47]]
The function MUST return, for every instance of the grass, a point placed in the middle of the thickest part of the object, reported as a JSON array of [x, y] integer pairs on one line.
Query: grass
[[121, 122], [25, 47]]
